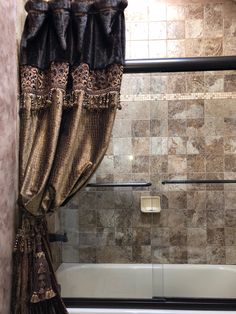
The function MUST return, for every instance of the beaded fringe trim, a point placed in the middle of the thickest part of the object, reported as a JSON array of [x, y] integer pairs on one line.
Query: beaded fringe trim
[[92, 102]]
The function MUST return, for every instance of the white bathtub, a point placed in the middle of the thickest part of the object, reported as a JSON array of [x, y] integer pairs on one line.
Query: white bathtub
[[147, 280]]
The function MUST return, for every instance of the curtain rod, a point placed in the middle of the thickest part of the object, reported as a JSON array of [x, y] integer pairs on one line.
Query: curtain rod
[[180, 64]]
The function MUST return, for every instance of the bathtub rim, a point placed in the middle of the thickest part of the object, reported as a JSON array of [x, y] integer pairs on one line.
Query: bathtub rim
[[155, 304]]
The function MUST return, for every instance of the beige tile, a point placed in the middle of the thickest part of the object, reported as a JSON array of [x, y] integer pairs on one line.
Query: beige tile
[[177, 109], [213, 14], [214, 83], [175, 30], [196, 145], [157, 49], [175, 12], [195, 83], [140, 164], [230, 200], [122, 128], [140, 128], [139, 31], [159, 110], [216, 255], [230, 163], [214, 126], [177, 200], [195, 127], [139, 49], [122, 146], [176, 84], [195, 109], [141, 146], [230, 145], [157, 30], [196, 163], [214, 47], [214, 163], [158, 84], [194, 28], [175, 48], [196, 237], [194, 11], [195, 47], [159, 145], [157, 10], [177, 145], [214, 145], [177, 164], [230, 255], [229, 46], [177, 127]]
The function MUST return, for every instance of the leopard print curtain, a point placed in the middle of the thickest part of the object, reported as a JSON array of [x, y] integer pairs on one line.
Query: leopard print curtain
[[70, 70]]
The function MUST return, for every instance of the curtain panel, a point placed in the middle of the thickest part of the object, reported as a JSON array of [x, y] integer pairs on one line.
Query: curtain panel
[[71, 64]]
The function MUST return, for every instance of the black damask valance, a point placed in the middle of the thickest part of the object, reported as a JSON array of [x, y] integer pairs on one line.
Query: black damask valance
[[90, 31]]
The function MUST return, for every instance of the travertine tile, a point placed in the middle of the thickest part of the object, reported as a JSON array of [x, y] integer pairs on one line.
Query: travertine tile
[[140, 164], [177, 145], [194, 28], [215, 218], [177, 200], [216, 236], [140, 128], [175, 48], [231, 255], [195, 218], [196, 255], [195, 47], [216, 255], [177, 127], [157, 30], [160, 255], [159, 128], [142, 253], [175, 12], [123, 236], [194, 11], [175, 29], [178, 254], [196, 163], [177, 109], [196, 237], [213, 14], [213, 47], [114, 254], [177, 164], [196, 145], [196, 200]]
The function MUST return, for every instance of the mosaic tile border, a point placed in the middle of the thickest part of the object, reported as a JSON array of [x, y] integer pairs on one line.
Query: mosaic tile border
[[179, 96]]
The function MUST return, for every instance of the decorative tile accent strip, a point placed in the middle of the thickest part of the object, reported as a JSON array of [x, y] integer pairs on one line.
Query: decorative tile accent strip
[[182, 96]]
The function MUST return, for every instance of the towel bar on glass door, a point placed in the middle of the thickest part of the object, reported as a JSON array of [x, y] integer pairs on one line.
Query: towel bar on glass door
[[197, 181], [220, 63], [125, 184]]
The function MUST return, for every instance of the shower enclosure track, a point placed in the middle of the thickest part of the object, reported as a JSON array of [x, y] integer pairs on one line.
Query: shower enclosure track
[[180, 64]]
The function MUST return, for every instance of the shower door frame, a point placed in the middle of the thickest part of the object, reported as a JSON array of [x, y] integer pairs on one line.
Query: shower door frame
[[222, 63]]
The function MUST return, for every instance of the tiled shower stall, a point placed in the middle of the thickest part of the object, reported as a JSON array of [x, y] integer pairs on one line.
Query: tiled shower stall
[[171, 126]]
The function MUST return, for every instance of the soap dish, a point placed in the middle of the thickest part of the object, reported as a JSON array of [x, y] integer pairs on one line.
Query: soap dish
[[150, 204]]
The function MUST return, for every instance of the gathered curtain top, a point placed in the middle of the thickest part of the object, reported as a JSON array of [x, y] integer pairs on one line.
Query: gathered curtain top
[[84, 31]]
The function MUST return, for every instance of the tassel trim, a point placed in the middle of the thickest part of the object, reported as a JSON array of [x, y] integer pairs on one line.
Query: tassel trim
[[92, 102]]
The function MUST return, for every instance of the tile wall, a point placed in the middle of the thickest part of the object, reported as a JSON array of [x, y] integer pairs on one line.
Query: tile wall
[[172, 126], [180, 28]]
